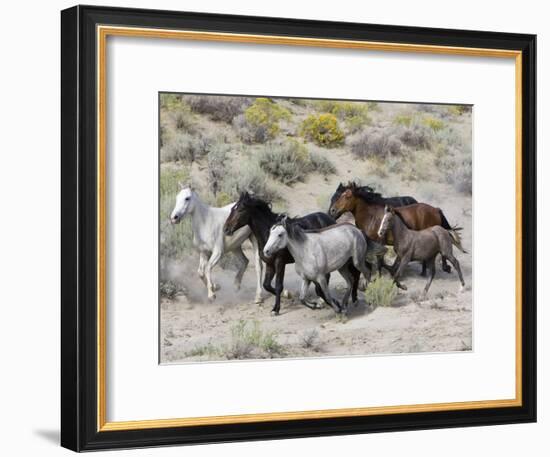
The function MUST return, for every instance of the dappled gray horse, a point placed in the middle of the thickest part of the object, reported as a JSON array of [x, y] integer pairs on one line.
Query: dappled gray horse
[[422, 245], [209, 239], [319, 252]]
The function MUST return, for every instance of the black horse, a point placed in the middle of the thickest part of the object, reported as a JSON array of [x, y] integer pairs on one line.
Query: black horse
[[369, 192], [257, 214]]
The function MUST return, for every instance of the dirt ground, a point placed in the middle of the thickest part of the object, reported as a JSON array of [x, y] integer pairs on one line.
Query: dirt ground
[[193, 329]]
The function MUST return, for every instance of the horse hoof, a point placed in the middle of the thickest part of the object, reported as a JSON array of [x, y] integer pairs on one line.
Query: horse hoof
[[274, 313], [216, 287], [461, 289], [212, 297], [447, 269], [258, 301], [402, 287], [286, 294]]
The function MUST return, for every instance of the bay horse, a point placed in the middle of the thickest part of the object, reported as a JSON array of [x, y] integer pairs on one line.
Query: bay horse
[[368, 211], [317, 253], [423, 245], [257, 214], [393, 201], [208, 237]]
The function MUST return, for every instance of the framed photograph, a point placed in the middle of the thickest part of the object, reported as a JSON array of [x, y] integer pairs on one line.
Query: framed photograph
[[279, 228]]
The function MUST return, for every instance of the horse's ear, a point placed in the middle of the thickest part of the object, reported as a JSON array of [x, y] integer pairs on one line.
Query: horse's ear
[[181, 185], [340, 186], [387, 208]]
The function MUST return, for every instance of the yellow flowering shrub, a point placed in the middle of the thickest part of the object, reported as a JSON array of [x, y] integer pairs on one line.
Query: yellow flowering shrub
[[323, 130]]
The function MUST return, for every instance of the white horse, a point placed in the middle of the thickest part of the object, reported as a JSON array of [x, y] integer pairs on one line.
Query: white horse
[[208, 237], [322, 251]]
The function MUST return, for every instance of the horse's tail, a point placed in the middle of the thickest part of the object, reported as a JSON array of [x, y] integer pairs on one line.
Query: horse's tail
[[453, 231], [456, 239], [444, 222]]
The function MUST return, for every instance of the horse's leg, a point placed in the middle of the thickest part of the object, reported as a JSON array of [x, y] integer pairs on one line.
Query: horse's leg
[[279, 281], [403, 262], [202, 265], [322, 280], [269, 275], [355, 275], [243, 263], [212, 261], [423, 272], [322, 299], [455, 263], [259, 270], [346, 273], [444, 265], [431, 266], [360, 263], [303, 292]]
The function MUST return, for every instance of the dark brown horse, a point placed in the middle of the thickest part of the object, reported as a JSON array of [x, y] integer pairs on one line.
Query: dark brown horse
[[368, 211]]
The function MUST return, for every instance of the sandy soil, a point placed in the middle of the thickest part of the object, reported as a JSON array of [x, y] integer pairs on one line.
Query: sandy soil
[[194, 329]]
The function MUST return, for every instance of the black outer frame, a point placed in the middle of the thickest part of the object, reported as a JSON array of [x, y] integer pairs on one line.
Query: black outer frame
[[79, 217]]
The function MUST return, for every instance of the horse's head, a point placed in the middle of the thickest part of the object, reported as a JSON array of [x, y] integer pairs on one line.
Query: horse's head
[[345, 202], [239, 215], [185, 204], [278, 238], [387, 221], [335, 196]]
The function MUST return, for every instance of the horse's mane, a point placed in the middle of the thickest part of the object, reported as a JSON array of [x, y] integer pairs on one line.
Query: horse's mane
[[254, 202], [366, 193], [294, 230]]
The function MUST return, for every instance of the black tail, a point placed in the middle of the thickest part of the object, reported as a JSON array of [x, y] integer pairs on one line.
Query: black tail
[[444, 222]]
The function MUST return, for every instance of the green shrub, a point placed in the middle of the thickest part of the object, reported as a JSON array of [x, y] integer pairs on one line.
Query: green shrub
[[170, 177], [207, 350], [321, 164], [416, 136], [216, 166], [375, 142], [218, 107], [250, 341], [223, 198], [433, 123], [403, 119], [184, 147], [264, 115], [323, 130], [381, 291], [356, 123], [175, 240], [175, 112], [355, 115], [249, 133], [290, 161], [459, 110], [250, 177]]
